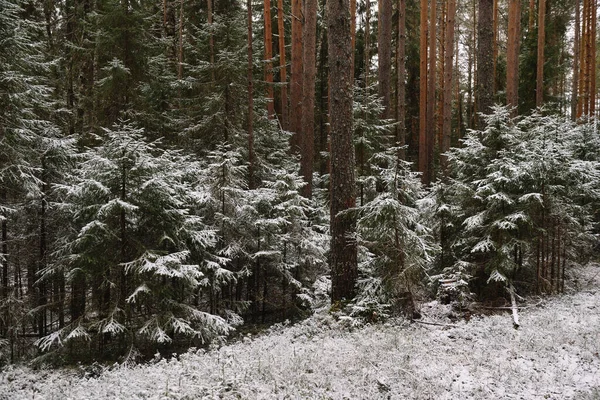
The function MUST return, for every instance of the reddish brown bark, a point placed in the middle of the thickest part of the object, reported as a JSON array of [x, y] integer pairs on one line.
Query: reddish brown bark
[[447, 95], [282, 65], [268, 56], [296, 78]]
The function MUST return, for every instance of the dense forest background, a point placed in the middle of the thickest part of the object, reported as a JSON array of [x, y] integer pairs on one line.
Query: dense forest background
[[170, 171]]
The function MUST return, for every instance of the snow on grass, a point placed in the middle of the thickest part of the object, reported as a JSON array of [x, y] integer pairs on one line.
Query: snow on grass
[[554, 355]]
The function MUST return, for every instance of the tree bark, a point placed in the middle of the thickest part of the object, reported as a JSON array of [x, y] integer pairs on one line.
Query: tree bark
[[296, 78], [539, 87], [308, 95], [423, 162], [343, 224], [250, 101], [4, 238], [448, 72], [431, 90], [495, 29], [401, 79], [512, 55], [384, 43], [282, 65], [576, 40], [268, 56], [211, 40], [485, 67], [180, 52]]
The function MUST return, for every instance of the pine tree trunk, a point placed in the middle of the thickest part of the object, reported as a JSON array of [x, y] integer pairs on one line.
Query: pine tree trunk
[[401, 79], [308, 97], [282, 65], [576, 40], [485, 67], [447, 95], [296, 78], [323, 105], [344, 270], [582, 61], [42, 262], [423, 150], [353, 31], [431, 90], [495, 52], [592, 57], [531, 15], [268, 56], [4, 325], [211, 40], [539, 88], [512, 55], [250, 116], [384, 43], [180, 52]]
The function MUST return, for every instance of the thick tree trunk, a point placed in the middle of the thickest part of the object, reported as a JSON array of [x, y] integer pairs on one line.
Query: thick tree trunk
[[343, 225], [485, 67], [512, 55], [384, 48], [308, 95], [539, 87]]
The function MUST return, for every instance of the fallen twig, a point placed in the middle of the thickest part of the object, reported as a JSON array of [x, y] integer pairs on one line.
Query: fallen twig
[[435, 324]]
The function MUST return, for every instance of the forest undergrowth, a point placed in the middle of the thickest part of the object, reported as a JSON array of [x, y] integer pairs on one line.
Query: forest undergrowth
[[555, 354]]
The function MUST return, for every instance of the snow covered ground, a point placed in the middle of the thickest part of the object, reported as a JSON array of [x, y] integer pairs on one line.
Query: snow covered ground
[[554, 355]]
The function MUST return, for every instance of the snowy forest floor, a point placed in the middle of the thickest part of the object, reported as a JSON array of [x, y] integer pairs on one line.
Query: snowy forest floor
[[555, 354]]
